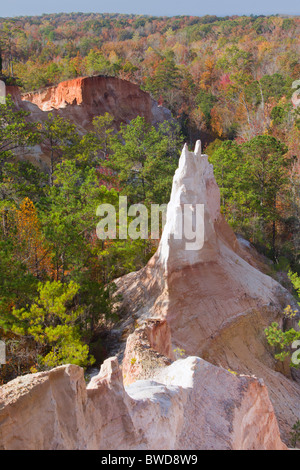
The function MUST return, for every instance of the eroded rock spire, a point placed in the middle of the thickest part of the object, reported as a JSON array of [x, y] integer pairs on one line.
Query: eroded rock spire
[[189, 234]]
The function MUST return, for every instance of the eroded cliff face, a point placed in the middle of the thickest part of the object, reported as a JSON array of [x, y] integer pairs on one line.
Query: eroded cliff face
[[214, 298], [81, 99], [188, 405]]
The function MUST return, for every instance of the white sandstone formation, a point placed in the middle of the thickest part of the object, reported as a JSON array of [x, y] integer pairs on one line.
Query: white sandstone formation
[[215, 299], [194, 186], [190, 405], [211, 302]]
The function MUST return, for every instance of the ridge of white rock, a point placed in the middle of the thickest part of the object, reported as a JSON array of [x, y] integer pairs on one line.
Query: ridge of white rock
[[189, 405], [193, 209]]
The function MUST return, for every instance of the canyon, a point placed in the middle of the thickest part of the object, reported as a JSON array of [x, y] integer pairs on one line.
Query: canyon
[[80, 100], [190, 367]]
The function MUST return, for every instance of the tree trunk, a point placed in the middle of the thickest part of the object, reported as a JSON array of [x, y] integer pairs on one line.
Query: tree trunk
[[274, 233], [263, 105], [51, 169]]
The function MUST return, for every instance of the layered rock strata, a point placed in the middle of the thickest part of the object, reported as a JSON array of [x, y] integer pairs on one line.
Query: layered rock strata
[[190, 405], [82, 99]]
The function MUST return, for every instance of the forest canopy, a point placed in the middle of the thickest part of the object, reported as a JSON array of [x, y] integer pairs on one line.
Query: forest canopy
[[228, 81]]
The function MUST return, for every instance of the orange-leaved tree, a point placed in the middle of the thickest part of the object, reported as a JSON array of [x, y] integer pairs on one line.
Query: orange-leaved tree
[[35, 253]]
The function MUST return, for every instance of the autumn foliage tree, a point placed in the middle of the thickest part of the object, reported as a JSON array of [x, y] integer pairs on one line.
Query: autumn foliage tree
[[52, 321], [35, 253]]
